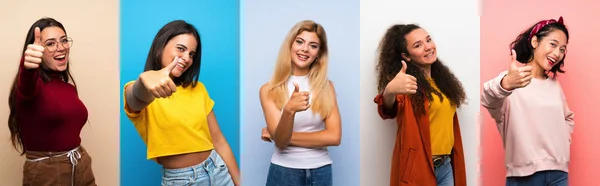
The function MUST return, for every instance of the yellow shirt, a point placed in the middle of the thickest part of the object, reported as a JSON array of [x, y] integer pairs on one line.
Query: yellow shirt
[[176, 124], [441, 118]]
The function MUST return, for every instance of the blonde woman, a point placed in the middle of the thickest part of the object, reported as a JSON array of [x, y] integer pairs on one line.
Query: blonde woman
[[301, 111]]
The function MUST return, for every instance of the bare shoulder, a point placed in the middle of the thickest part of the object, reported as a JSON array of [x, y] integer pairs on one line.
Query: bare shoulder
[[331, 86], [264, 91]]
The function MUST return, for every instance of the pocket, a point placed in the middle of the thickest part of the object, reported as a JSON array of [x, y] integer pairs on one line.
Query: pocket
[[220, 164], [84, 172], [410, 160], [175, 181], [30, 172], [220, 173]]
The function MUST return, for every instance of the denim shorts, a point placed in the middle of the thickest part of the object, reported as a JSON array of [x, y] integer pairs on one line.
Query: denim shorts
[[211, 172], [283, 176]]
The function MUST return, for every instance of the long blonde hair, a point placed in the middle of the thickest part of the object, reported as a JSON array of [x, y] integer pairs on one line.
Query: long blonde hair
[[322, 100]]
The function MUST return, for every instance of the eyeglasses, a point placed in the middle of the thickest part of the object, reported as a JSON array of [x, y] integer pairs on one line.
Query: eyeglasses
[[52, 45]]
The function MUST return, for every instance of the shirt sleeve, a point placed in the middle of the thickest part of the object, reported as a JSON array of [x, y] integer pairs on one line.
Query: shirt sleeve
[[208, 102], [569, 114], [493, 97], [27, 81], [386, 113], [131, 114]]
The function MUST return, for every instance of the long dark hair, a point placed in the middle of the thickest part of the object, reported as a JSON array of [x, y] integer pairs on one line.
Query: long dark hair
[[164, 35], [44, 73], [524, 49], [389, 64]]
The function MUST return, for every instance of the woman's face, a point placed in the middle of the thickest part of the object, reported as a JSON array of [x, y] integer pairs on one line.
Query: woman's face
[[182, 46], [549, 50], [305, 49], [421, 48], [56, 48]]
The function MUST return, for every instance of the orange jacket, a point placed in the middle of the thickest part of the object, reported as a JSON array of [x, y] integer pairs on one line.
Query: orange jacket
[[412, 162]]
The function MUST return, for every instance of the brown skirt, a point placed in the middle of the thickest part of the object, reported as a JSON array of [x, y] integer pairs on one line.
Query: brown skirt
[[58, 168]]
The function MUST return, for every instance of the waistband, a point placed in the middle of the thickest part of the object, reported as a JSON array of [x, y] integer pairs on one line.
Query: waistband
[[208, 163], [73, 155]]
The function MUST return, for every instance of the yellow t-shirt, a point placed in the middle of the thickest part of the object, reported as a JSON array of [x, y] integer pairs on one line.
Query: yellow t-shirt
[[176, 124], [441, 120]]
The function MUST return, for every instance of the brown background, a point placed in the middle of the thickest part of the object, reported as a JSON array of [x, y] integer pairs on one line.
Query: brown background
[[94, 27]]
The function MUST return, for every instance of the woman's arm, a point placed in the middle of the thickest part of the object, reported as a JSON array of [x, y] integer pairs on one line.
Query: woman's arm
[[569, 119], [279, 124], [151, 84], [27, 80], [493, 96], [389, 112], [389, 100], [330, 136], [223, 148], [137, 96], [569, 115], [28, 77]]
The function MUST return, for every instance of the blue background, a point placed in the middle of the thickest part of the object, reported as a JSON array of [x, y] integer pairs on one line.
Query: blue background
[[218, 24], [265, 24]]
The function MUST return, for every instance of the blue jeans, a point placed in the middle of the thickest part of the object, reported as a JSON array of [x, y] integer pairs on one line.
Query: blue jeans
[[211, 172], [283, 176], [542, 178], [444, 174]]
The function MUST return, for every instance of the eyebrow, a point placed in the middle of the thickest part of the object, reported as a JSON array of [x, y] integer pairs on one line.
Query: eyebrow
[[420, 41], [53, 39], [314, 42]]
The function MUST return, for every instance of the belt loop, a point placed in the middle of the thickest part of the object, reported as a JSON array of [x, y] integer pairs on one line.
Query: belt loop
[[213, 158], [194, 174], [308, 176]]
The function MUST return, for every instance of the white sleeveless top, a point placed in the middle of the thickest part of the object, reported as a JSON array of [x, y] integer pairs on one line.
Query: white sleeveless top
[[305, 121]]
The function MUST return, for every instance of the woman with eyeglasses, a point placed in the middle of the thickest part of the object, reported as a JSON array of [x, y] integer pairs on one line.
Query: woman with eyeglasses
[[46, 114]]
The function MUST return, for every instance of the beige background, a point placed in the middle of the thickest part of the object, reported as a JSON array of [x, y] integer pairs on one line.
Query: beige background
[[94, 27]]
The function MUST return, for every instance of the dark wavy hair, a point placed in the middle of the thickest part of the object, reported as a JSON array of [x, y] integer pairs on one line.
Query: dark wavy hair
[[164, 35], [524, 49], [13, 124], [389, 64]]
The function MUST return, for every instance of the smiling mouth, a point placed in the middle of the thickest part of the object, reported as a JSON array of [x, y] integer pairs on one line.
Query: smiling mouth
[[430, 54], [181, 65], [551, 60], [60, 57], [302, 57]]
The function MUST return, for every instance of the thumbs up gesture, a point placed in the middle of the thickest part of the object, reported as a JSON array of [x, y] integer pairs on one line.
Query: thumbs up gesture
[[403, 83], [34, 52], [299, 101], [519, 75], [159, 82]]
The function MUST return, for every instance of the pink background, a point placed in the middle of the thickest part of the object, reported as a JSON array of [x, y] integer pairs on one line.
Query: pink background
[[501, 22]]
